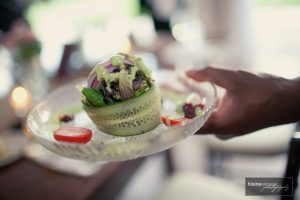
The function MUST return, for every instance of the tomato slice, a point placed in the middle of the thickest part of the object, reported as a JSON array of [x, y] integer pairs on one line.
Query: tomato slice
[[172, 122], [73, 134]]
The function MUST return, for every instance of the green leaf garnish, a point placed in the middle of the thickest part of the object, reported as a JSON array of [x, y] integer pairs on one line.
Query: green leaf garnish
[[93, 97]]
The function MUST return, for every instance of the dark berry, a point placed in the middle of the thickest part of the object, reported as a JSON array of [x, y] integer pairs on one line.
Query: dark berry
[[189, 110], [66, 118]]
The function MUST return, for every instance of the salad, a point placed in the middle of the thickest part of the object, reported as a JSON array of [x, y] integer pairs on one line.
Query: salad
[[118, 79], [120, 96]]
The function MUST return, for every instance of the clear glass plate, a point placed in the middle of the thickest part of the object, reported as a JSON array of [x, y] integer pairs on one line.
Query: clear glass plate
[[43, 120]]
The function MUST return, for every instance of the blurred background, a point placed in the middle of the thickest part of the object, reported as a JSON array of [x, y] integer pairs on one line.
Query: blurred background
[[47, 43]]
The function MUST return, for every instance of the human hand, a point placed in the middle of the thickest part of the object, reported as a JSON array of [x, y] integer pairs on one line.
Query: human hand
[[251, 102]]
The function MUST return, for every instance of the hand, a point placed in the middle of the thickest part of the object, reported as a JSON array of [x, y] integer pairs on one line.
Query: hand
[[251, 102]]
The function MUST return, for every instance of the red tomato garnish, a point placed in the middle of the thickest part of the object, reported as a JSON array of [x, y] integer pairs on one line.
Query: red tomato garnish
[[172, 122], [73, 134]]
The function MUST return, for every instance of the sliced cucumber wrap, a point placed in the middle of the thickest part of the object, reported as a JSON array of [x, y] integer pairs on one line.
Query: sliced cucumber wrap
[[131, 117]]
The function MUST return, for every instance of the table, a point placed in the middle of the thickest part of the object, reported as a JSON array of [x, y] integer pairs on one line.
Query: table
[[25, 179]]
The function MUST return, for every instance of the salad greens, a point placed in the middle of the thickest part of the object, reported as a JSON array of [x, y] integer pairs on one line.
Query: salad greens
[[120, 78], [93, 97], [125, 85]]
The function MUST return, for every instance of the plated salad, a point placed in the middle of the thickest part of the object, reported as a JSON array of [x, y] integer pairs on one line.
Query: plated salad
[[120, 96]]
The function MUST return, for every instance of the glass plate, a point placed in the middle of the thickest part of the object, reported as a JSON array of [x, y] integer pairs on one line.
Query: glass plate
[[43, 120]]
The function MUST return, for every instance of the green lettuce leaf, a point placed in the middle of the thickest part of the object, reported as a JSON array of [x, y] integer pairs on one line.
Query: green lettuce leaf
[[93, 97]]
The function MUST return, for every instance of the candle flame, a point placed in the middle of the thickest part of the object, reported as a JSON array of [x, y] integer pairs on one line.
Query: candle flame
[[20, 95], [20, 100]]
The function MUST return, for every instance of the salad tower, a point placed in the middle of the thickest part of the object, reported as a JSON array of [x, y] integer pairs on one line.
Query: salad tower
[[120, 96]]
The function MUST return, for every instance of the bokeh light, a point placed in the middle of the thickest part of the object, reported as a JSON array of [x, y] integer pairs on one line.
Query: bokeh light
[[20, 100]]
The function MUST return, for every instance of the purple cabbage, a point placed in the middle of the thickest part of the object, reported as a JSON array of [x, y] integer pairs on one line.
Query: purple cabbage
[[137, 82], [92, 81]]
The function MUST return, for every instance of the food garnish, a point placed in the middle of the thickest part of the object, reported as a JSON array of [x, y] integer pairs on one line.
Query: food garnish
[[172, 122], [73, 134], [65, 118]]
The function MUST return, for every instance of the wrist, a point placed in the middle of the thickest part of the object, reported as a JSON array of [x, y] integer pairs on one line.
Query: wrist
[[291, 99]]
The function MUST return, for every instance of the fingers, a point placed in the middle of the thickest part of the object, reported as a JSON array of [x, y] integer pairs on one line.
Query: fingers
[[227, 79], [221, 77], [210, 125]]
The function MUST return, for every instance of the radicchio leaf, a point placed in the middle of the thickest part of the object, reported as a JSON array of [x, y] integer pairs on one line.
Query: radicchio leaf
[[92, 81], [95, 84], [112, 69]]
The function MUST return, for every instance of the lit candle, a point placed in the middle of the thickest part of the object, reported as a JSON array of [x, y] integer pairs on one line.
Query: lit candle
[[20, 100]]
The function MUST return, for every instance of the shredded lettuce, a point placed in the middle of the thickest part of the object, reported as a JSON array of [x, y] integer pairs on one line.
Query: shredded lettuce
[[142, 88], [125, 85]]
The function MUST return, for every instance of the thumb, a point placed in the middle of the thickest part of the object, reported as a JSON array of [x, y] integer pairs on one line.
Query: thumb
[[210, 125]]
